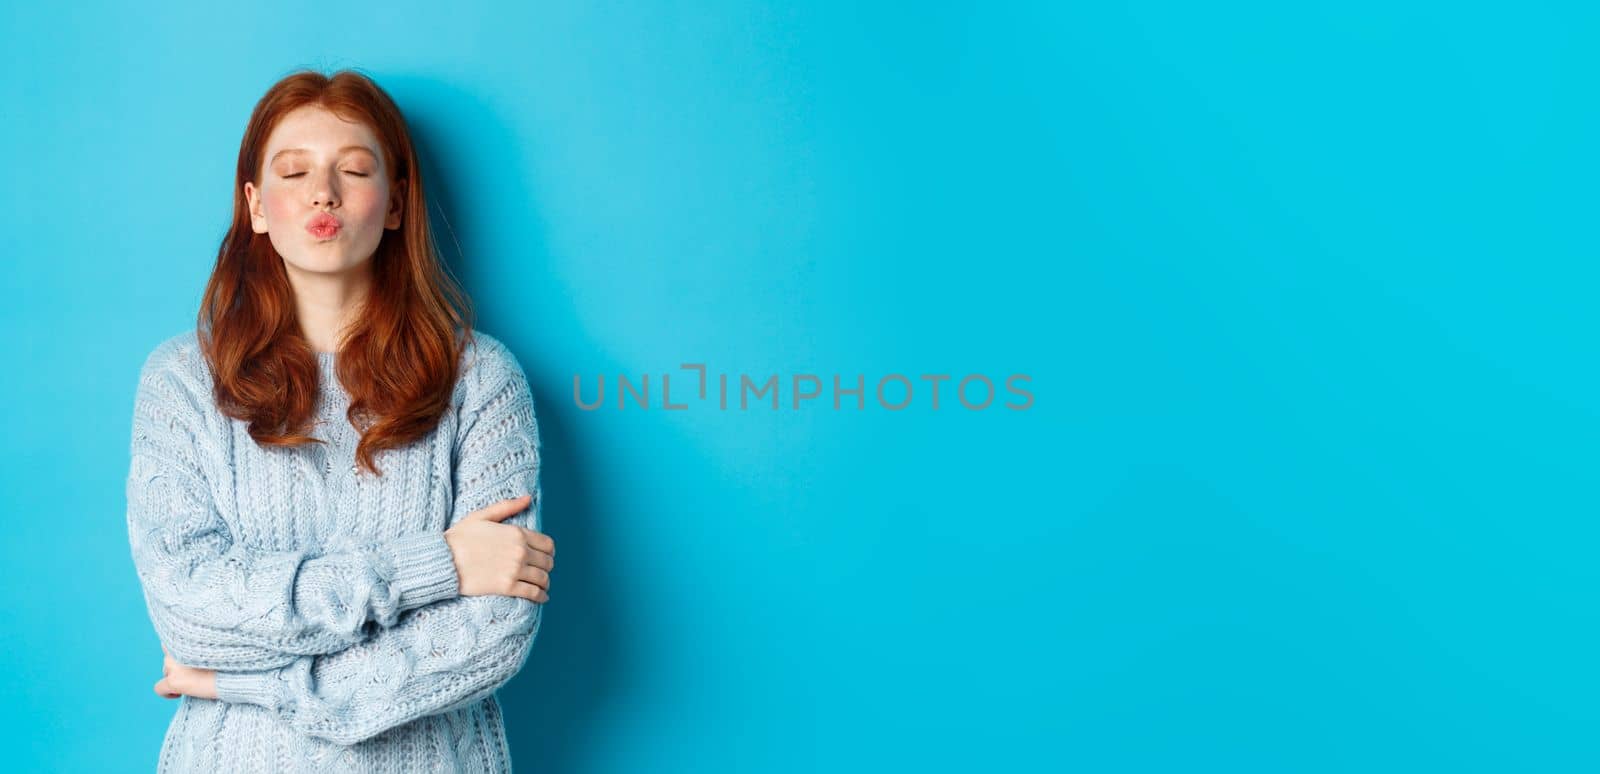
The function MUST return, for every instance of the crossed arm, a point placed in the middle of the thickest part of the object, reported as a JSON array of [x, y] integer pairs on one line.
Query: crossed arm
[[344, 645]]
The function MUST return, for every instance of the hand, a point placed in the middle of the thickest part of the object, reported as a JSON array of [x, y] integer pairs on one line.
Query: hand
[[179, 680], [495, 558]]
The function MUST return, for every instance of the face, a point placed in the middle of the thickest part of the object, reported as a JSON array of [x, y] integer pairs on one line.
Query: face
[[319, 165]]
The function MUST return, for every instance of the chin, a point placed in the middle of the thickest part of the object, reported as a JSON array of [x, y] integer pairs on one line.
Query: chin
[[323, 265]]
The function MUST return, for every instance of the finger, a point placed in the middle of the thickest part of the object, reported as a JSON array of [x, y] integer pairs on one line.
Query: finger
[[535, 576], [537, 556], [530, 591], [503, 509], [540, 560], [539, 541]]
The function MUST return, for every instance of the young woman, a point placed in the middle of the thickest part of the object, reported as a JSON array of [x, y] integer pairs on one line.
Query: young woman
[[333, 499]]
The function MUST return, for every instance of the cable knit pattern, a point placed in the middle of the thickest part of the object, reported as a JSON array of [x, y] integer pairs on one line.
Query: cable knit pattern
[[327, 598]]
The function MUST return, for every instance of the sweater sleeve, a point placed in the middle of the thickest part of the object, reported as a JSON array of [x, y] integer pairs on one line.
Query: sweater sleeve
[[216, 604], [448, 654]]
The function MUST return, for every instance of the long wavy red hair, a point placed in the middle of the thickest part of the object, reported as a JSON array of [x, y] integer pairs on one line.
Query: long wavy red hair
[[399, 358]]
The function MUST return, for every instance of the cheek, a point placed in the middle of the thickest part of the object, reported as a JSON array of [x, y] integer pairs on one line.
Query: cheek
[[277, 201], [366, 203]]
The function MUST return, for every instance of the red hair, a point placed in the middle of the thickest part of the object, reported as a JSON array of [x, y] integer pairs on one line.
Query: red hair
[[400, 357]]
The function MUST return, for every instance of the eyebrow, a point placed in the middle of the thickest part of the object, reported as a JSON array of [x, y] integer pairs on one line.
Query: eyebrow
[[303, 150]]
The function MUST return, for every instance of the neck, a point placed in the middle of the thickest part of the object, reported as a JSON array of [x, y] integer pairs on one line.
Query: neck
[[328, 303]]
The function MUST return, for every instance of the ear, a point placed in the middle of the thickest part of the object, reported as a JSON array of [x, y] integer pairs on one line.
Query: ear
[[397, 205], [252, 195]]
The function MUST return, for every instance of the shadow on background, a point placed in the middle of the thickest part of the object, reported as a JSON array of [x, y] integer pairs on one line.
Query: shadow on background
[[549, 704]]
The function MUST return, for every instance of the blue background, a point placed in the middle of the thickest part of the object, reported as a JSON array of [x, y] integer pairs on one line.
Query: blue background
[[1307, 296]]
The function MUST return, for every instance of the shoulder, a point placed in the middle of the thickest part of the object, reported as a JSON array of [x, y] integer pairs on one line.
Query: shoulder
[[492, 391], [173, 353], [174, 392], [176, 368], [485, 351], [488, 368]]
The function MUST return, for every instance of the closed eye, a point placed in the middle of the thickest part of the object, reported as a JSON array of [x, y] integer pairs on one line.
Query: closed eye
[[349, 172]]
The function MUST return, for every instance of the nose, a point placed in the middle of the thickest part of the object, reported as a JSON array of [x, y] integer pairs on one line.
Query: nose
[[324, 193]]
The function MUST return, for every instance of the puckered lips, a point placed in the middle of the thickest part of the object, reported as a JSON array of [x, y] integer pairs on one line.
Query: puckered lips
[[324, 225]]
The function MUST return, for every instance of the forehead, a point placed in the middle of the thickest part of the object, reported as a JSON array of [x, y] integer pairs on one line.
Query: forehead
[[313, 130]]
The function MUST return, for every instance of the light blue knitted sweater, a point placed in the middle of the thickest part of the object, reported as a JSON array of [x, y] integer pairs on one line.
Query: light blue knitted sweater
[[327, 598]]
